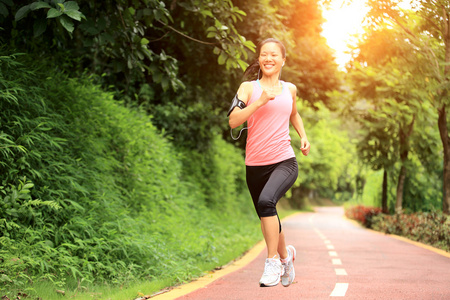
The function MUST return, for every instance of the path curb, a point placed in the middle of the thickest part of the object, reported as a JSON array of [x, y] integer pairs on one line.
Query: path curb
[[201, 282]]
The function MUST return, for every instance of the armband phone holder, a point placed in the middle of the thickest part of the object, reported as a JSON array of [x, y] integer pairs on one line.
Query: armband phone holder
[[236, 102]]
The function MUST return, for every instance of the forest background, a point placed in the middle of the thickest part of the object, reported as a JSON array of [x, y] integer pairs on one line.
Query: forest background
[[118, 175]]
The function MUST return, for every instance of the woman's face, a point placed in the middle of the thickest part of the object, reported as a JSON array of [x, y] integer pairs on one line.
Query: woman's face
[[271, 59]]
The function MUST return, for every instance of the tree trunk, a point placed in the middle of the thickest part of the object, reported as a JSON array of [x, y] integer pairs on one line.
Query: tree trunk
[[404, 134], [442, 124], [384, 204], [400, 187]]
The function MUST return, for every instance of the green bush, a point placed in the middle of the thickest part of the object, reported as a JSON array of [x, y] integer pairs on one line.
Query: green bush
[[432, 228], [91, 193]]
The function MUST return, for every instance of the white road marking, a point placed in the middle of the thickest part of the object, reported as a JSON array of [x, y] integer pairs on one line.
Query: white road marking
[[341, 272], [339, 290]]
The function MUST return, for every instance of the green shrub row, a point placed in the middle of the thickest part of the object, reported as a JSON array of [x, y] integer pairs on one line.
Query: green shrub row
[[91, 193], [431, 228]]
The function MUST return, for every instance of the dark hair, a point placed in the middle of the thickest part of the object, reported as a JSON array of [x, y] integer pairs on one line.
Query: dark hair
[[251, 72]]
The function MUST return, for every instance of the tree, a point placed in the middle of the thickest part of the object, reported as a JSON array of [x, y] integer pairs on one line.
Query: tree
[[119, 38], [155, 54], [388, 71], [311, 63], [431, 37]]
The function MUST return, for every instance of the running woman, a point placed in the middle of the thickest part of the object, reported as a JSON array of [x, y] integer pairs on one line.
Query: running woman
[[268, 104]]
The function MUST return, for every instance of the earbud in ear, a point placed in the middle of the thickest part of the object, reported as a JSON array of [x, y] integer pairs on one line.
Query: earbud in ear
[[282, 64]]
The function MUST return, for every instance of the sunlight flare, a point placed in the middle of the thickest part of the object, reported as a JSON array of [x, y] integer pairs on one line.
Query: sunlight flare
[[343, 22]]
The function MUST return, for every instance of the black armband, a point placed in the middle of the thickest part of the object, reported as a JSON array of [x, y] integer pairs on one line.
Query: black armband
[[236, 102]]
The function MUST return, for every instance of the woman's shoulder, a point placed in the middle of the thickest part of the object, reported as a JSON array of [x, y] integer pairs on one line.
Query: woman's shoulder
[[290, 85], [247, 83], [245, 91]]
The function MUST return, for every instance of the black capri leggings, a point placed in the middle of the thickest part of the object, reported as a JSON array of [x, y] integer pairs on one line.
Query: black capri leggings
[[267, 184]]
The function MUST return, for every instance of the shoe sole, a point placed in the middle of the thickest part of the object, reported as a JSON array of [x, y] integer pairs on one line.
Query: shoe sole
[[293, 259], [270, 284]]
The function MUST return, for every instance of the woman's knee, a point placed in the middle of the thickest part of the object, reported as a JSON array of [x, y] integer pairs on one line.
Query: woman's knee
[[266, 207]]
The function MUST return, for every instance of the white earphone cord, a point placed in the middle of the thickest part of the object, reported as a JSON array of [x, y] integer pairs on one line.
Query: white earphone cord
[[240, 132]]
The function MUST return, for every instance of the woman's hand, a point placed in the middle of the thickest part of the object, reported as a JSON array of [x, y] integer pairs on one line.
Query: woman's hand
[[266, 96], [305, 146]]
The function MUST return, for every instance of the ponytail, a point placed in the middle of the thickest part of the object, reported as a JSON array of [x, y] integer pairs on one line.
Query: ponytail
[[252, 71]]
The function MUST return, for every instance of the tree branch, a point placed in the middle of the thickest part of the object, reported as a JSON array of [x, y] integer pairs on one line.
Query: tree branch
[[186, 36]]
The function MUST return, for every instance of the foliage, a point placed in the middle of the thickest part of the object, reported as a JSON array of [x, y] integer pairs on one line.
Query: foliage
[[297, 24], [311, 65], [329, 171], [164, 55], [432, 228], [363, 214], [119, 37], [151, 53], [425, 29], [389, 100], [92, 193]]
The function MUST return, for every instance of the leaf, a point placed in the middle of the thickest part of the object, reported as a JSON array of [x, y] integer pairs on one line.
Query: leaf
[[67, 23], [207, 13], [39, 4], [76, 15], [222, 58], [71, 5], [39, 27], [242, 64], [8, 2], [53, 13], [3, 10], [165, 84], [144, 41], [28, 186], [22, 13], [237, 10]]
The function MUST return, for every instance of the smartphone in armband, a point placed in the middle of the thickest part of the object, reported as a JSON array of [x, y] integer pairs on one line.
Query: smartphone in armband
[[236, 102]]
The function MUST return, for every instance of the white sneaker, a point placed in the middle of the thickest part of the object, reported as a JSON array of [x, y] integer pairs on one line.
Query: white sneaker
[[289, 273], [272, 272]]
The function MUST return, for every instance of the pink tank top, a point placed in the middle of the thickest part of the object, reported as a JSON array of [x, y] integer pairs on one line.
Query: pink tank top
[[268, 140]]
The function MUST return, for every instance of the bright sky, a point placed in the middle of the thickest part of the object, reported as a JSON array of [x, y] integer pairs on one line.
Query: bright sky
[[343, 21]]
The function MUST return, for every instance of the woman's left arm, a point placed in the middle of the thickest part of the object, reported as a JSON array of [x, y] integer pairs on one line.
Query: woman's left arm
[[297, 122]]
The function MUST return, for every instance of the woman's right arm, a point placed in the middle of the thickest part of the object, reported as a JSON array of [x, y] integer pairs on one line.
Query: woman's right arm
[[239, 116]]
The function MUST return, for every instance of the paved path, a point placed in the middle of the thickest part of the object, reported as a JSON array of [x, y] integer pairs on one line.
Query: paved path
[[337, 258]]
